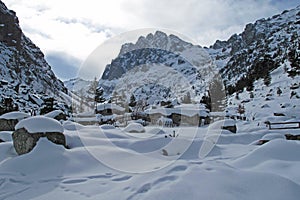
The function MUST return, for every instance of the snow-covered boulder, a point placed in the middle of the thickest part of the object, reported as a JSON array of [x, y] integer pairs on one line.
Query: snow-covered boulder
[[134, 128], [9, 120], [29, 131], [56, 114]]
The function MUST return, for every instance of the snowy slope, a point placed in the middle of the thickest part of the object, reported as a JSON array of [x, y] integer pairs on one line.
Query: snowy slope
[[262, 47]]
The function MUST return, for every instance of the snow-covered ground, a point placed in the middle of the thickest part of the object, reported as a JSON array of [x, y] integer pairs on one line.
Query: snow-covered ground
[[110, 163]]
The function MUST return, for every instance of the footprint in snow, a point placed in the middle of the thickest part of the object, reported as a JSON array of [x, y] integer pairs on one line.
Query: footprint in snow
[[178, 168], [124, 178], [164, 179], [104, 176], [74, 181]]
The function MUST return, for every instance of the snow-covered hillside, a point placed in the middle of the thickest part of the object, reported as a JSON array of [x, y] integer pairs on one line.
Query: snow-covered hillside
[[26, 78], [262, 47]]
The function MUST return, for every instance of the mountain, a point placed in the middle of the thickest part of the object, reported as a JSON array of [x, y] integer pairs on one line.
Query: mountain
[[158, 67], [260, 68], [162, 67], [77, 85], [262, 47], [26, 78]]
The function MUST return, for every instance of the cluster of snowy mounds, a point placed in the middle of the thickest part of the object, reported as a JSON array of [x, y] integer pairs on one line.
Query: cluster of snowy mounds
[[29, 131], [98, 163], [9, 120], [134, 128]]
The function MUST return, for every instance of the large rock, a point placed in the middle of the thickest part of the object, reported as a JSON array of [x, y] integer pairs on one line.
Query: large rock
[[30, 130], [24, 141], [8, 121], [8, 124]]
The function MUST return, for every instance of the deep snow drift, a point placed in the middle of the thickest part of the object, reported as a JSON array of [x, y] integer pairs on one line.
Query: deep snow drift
[[109, 163]]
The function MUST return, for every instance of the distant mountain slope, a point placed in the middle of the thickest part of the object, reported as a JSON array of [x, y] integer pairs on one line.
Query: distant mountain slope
[[259, 49], [25, 75], [158, 63]]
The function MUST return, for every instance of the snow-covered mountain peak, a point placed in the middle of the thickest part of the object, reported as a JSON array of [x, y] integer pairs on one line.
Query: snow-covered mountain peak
[[159, 40], [192, 62]]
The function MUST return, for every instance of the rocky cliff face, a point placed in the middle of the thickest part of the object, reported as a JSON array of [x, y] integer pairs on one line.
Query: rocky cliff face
[[262, 47], [25, 75]]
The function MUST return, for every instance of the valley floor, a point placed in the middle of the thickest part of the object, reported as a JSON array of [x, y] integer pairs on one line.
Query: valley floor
[[198, 163]]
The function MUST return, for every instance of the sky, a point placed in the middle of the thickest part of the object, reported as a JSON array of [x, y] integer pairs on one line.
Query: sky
[[68, 31]]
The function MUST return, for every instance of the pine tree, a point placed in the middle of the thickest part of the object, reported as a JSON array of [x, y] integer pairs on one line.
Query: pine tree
[[92, 90], [99, 95], [132, 102]]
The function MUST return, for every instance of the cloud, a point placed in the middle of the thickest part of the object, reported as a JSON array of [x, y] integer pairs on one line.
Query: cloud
[[77, 27], [64, 66], [204, 20]]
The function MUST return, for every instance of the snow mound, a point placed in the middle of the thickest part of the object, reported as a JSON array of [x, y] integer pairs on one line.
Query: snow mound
[[273, 136], [46, 159], [15, 115], [107, 127], [134, 128], [72, 126], [54, 113], [282, 150], [5, 136], [156, 131], [40, 124]]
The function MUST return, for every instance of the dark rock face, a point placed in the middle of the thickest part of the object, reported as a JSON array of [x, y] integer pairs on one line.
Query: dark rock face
[[8, 124], [24, 73], [10, 32], [24, 141], [61, 116]]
